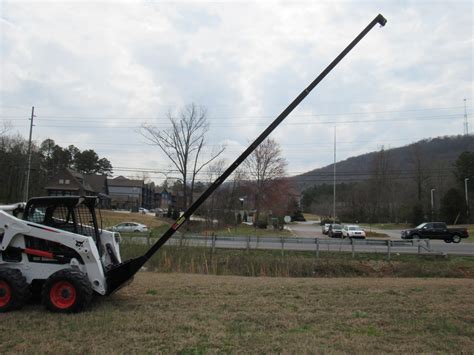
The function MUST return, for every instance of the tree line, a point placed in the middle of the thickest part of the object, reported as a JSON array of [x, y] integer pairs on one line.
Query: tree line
[[47, 159], [432, 190]]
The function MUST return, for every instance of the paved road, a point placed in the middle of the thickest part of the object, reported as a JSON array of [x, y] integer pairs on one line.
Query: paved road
[[313, 230], [308, 237]]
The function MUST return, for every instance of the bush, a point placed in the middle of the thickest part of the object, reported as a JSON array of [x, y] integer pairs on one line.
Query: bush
[[417, 214], [175, 214], [298, 216], [262, 221]]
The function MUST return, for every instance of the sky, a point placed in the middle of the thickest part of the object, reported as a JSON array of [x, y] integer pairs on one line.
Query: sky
[[95, 71]]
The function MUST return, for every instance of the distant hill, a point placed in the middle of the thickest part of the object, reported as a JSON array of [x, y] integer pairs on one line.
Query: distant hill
[[434, 153]]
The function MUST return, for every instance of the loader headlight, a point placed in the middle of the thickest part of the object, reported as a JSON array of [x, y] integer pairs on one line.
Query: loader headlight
[[117, 237]]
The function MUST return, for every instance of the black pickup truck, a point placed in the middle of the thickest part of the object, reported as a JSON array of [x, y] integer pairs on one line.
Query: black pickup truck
[[436, 230]]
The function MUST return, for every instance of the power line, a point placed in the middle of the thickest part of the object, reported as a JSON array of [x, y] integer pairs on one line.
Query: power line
[[47, 117], [306, 123]]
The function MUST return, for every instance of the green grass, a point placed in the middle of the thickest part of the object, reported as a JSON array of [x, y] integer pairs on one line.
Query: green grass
[[201, 314], [244, 229], [201, 260], [199, 228]]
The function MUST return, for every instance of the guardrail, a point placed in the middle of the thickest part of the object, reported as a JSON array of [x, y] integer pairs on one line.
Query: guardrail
[[415, 246]]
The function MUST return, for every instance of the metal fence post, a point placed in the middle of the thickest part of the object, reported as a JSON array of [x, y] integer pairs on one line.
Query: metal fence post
[[148, 236], [213, 243], [282, 239], [317, 247], [352, 246], [248, 243]]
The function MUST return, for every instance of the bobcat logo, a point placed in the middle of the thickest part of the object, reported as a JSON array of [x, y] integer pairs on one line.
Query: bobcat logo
[[79, 244]]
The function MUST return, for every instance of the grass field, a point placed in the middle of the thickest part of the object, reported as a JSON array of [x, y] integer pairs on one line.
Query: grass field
[[160, 225], [206, 314]]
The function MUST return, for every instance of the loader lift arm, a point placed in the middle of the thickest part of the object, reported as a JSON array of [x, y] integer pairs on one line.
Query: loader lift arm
[[118, 275]]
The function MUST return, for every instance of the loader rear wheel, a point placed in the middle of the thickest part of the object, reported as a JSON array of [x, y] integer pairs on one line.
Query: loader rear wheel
[[67, 291], [14, 290]]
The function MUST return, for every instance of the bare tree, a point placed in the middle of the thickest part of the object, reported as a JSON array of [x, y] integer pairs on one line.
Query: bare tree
[[183, 143], [380, 184], [214, 171], [420, 171], [264, 166], [5, 127]]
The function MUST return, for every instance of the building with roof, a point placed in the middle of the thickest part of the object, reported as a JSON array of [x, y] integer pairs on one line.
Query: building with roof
[[130, 194], [68, 182]]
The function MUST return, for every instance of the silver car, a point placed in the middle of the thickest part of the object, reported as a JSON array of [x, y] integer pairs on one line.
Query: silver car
[[353, 231], [129, 227]]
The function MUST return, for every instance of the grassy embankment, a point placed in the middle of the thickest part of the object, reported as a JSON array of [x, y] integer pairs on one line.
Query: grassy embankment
[[299, 264], [183, 313]]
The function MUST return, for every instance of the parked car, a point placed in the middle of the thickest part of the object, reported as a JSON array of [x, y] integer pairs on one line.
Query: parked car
[[159, 212], [335, 231], [353, 231], [129, 227], [143, 210], [325, 228], [436, 230]]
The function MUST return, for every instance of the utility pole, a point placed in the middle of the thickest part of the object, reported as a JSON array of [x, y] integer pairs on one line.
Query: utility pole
[[334, 187], [466, 124], [27, 185]]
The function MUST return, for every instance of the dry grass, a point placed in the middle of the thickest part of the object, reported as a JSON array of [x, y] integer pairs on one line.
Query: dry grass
[[111, 218], [299, 263], [311, 217], [201, 314]]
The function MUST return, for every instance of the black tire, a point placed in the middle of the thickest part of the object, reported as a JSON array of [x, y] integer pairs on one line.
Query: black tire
[[448, 240], [67, 291], [14, 290], [415, 237], [456, 238]]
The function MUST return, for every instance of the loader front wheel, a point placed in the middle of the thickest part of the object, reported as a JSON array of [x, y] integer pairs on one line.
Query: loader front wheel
[[14, 291], [67, 291]]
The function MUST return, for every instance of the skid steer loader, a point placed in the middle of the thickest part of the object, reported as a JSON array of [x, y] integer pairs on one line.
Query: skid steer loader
[[53, 246]]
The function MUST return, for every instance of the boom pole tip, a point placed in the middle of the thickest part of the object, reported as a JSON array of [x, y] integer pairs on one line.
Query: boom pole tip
[[381, 20]]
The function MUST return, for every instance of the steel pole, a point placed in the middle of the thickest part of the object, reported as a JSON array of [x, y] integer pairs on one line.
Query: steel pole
[[334, 182], [27, 185]]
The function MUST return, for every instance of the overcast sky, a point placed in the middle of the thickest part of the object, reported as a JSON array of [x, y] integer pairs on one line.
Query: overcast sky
[[95, 71]]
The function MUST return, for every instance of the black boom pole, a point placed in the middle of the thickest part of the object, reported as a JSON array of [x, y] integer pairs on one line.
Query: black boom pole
[[120, 274]]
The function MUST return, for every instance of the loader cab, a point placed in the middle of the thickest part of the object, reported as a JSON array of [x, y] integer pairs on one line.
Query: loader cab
[[75, 214]]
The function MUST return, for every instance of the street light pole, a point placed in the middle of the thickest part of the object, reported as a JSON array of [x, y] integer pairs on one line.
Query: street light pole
[[432, 204], [334, 186], [467, 198]]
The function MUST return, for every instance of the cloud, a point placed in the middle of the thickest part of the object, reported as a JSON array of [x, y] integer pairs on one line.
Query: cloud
[[96, 70]]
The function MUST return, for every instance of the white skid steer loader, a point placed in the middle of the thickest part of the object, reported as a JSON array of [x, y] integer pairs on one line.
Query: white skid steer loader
[[57, 249], [54, 247]]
